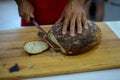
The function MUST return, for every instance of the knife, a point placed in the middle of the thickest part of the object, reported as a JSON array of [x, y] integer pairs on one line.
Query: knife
[[38, 26], [42, 33]]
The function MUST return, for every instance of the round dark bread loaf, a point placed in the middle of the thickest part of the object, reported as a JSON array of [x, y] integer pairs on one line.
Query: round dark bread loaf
[[77, 44]]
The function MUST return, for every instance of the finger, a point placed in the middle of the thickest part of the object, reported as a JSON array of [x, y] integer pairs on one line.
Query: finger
[[29, 15], [65, 25], [72, 26], [27, 18], [84, 21], [32, 13], [20, 12], [79, 25], [59, 20], [24, 16]]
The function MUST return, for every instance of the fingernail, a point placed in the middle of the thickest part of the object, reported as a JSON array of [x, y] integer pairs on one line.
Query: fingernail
[[86, 27], [56, 22], [31, 15], [79, 32], [63, 32], [72, 35]]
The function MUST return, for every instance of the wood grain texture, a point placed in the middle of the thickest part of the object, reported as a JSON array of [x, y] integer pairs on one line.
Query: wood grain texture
[[105, 56]]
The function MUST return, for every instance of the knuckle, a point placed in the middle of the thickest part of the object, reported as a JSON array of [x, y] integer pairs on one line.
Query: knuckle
[[72, 24], [21, 14]]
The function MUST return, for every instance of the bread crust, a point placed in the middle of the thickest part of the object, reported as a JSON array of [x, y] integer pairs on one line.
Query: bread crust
[[79, 43]]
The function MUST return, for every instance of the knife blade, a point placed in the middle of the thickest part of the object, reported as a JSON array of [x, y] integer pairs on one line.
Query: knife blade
[[38, 26], [42, 33]]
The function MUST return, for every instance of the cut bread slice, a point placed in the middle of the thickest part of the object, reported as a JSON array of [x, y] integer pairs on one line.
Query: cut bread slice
[[35, 47], [52, 38]]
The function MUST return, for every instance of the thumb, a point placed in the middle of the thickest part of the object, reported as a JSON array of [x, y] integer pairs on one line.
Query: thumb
[[59, 20], [31, 15]]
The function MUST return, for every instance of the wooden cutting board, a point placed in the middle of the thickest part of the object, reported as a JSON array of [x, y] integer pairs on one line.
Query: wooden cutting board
[[105, 56]]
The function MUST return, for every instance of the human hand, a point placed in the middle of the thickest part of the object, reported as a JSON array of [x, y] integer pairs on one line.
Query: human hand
[[73, 14], [26, 10]]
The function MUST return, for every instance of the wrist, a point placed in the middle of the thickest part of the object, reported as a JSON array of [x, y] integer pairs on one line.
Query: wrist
[[19, 2], [80, 2]]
